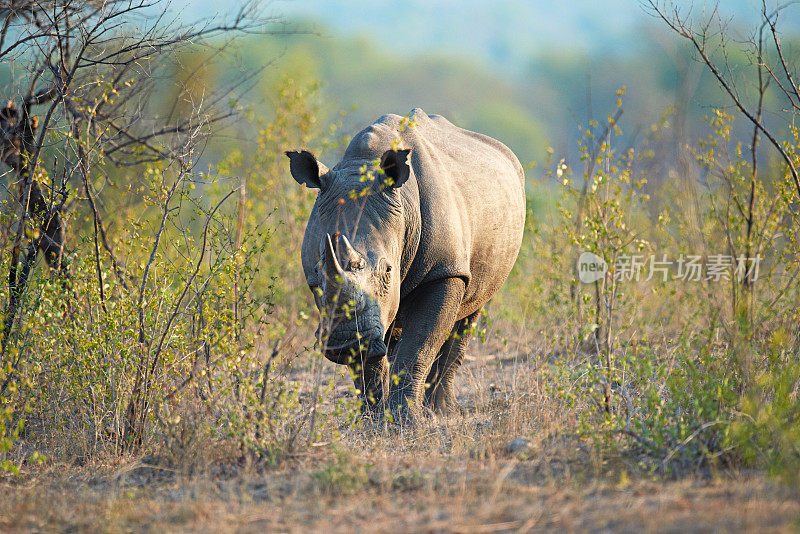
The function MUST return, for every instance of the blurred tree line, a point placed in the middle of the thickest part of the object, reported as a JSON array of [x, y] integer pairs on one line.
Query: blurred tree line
[[545, 105]]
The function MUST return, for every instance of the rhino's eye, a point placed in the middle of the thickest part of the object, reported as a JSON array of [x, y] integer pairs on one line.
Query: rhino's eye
[[384, 276]]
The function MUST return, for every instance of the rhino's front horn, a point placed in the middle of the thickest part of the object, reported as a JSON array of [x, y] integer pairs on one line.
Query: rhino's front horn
[[332, 268]]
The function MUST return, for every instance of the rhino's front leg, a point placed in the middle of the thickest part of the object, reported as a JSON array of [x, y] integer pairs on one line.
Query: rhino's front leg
[[371, 377], [429, 317]]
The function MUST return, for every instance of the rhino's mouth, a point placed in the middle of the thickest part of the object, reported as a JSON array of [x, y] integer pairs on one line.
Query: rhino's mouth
[[361, 335]]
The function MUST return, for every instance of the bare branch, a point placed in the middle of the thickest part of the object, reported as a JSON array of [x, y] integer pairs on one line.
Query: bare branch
[[699, 41], [94, 65]]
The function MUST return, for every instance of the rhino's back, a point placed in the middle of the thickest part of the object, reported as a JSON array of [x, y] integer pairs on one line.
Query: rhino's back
[[471, 198], [430, 135]]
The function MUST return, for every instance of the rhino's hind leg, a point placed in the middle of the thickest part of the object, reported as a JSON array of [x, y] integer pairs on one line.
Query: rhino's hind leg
[[439, 393]]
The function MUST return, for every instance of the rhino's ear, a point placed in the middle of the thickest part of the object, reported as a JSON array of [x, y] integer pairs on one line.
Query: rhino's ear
[[305, 169], [395, 165]]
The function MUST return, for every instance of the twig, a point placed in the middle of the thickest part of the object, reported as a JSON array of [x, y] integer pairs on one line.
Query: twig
[[685, 442]]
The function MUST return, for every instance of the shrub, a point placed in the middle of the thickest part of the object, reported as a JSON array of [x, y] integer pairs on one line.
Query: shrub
[[715, 385]]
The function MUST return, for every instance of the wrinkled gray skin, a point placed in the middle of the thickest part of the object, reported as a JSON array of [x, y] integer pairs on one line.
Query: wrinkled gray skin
[[403, 272]]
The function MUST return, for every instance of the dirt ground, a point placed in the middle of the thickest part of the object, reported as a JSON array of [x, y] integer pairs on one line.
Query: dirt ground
[[496, 499], [463, 474]]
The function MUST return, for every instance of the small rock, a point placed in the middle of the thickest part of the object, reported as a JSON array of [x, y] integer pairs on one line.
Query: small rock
[[260, 492], [518, 446]]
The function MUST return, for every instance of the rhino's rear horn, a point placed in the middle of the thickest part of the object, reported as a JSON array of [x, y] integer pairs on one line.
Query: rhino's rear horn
[[350, 255]]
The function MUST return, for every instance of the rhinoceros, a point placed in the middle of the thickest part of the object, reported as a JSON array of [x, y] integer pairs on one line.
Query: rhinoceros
[[411, 234]]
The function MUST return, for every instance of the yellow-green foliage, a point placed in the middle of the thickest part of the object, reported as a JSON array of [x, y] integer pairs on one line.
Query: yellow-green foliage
[[168, 354], [681, 373]]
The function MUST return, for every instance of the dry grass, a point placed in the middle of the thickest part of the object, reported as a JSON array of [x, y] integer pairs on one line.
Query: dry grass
[[469, 496], [454, 475]]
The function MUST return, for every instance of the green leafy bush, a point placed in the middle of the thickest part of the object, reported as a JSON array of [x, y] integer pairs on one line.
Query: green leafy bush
[[678, 375]]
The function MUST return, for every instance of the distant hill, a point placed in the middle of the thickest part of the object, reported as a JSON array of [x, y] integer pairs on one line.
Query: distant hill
[[502, 34], [542, 97], [360, 77]]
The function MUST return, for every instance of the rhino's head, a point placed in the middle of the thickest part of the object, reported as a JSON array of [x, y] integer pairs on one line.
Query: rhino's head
[[352, 251]]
